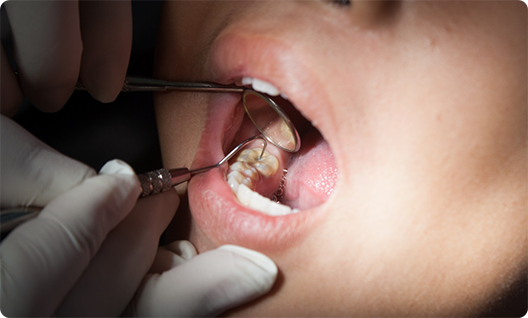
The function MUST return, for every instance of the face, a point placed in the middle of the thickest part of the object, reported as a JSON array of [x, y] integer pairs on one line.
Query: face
[[411, 179]]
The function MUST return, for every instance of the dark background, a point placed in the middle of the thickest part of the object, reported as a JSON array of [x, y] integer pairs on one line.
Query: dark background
[[93, 132]]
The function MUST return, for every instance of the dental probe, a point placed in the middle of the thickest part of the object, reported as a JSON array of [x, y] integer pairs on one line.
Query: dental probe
[[162, 180], [153, 182], [142, 84]]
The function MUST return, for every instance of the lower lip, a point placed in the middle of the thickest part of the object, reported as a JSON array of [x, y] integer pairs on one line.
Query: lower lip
[[224, 221]]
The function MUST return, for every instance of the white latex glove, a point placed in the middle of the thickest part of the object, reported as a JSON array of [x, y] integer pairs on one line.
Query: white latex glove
[[182, 283], [58, 42], [90, 247], [86, 253]]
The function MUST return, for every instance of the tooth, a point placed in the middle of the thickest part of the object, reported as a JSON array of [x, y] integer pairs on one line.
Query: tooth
[[239, 166], [234, 179], [255, 201], [247, 182], [251, 173], [258, 202], [264, 87], [245, 156], [244, 194], [267, 165], [284, 96], [236, 175], [233, 184], [247, 80], [275, 208], [265, 169]]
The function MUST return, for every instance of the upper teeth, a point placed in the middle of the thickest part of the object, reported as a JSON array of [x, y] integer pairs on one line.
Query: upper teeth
[[262, 86], [245, 171]]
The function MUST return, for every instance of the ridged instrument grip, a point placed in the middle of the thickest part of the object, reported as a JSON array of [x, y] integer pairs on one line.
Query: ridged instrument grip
[[154, 182], [161, 180]]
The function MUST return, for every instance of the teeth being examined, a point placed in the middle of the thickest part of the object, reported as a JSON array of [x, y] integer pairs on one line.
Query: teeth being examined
[[245, 172], [267, 165]]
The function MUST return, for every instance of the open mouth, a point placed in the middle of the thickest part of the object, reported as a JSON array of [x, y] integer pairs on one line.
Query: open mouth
[[269, 202], [304, 180]]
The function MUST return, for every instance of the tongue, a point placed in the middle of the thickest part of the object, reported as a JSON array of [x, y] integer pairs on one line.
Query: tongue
[[311, 175]]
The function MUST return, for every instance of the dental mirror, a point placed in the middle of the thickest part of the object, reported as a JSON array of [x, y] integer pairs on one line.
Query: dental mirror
[[271, 121], [265, 114]]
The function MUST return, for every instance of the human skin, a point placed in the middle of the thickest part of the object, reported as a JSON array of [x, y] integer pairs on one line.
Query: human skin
[[423, 105]]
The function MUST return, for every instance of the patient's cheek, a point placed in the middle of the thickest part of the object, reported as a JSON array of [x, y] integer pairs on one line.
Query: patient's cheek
[[180, 118], [430, 217]]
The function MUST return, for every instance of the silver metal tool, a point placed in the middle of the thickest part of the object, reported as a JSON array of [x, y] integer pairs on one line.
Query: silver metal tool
[[272, 122], [144, 84], [153, 182], [161, 180], [267, 116]]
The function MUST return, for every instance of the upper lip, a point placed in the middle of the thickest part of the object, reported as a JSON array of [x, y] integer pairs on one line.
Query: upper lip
[[232, 57]]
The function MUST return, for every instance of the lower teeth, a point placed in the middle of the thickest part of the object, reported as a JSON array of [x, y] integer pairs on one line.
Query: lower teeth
[[255, 201], [240, 180]]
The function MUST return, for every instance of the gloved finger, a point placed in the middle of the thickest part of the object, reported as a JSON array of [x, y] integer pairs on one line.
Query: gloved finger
[[206, 285], [10, 92], [115, 273], [43, 258], [184, 249], [172, 255], [106, 28], [47, 46], [32, 172]]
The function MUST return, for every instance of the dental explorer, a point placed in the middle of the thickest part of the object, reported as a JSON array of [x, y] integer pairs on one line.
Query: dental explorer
[[153, 182], [161, 180]]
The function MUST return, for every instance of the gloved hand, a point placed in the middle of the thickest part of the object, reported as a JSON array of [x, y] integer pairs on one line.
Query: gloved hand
[[90, 246], [89, 249], [182, 283], [58, 42]]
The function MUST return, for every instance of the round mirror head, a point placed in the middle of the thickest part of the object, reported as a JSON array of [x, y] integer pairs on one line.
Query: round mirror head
[[271, 121]]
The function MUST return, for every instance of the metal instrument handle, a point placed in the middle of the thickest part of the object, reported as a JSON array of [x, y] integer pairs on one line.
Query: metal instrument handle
[[161, 180], [144, 84]]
